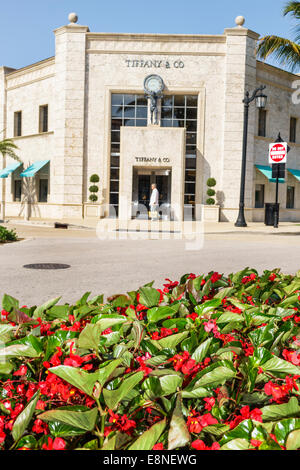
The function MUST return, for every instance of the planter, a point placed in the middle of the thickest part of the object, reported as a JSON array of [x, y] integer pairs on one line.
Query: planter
[[210, 213]]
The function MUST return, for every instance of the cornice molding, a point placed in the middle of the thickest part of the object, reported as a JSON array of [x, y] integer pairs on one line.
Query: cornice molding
[[276, 71], [19, 85], [156, 37], [30, 68], [134, 52]]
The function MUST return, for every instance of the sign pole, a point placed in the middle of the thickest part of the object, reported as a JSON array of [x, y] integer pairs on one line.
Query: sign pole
[[276, 214]]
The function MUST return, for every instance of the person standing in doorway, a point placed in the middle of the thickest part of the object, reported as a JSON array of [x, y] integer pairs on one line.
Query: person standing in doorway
[[154, 202]]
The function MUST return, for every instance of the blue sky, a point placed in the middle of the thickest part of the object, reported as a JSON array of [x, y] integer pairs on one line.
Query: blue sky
[[26, 26]]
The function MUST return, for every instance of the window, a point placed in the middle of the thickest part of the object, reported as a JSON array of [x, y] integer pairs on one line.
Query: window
[[182, 111], [126, 110], [43, 190], [43, 118], [259, 196], [262, 119], [293, 129], [17, 123], [290, 197], [17, 190]]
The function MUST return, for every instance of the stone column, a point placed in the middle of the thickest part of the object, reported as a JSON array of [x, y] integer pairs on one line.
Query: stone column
[[3, 134], [240, 76], [67, 161]]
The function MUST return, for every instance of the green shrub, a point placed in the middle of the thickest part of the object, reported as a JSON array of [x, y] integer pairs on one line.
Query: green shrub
[[211, 192], [210, 201], [211, 182], [7, 235], [94, 178], [93, 197], [93, 189]]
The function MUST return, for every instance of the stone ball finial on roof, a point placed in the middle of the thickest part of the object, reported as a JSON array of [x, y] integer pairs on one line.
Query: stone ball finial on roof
[[73, 18], [240, 21]]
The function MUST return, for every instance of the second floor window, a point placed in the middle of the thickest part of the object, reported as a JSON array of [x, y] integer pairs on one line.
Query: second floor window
[[43, 118], [293, 129], [17, 123], [262, 120]]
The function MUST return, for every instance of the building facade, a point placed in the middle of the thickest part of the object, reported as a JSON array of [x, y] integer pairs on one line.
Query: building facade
[[84, 112]]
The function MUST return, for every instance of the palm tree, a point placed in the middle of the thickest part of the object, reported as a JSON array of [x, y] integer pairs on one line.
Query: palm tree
[[8, 147], [286, 51]]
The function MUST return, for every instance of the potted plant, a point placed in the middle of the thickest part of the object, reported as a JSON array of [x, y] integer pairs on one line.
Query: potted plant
[[92, 210], [210, 210]]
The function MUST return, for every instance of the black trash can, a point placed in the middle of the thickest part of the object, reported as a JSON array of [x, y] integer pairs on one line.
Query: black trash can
[[270, 210]]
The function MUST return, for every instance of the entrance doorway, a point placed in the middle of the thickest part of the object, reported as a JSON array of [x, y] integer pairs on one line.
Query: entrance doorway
[[141, 191]]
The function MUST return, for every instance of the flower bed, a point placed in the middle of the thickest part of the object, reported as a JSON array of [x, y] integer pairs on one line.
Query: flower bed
[[209, 362]]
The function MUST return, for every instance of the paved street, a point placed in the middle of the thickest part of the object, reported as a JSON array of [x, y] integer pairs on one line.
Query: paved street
[[112, 267]]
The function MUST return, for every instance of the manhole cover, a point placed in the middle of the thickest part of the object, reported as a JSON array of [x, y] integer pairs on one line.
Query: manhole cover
[[46, 266]]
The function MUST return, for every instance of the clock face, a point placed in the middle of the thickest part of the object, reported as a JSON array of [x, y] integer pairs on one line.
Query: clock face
[[153, 84]]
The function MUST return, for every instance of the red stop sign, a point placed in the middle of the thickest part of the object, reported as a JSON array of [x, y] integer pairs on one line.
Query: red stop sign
[[278, 153]]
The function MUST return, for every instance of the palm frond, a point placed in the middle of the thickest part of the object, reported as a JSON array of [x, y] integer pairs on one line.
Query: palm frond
[[293, 8], [8, 147], [286, 52]]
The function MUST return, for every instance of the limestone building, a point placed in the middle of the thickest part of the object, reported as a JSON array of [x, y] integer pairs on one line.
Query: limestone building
[[85, 112]]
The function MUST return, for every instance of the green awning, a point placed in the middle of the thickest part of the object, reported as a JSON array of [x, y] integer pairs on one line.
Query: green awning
[[267, 172], [34, 168], [9, 169], [295, 173]]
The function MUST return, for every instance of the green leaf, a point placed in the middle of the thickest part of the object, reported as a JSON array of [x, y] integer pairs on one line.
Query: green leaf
[[149, 438], [84, 420], [58, 311], [107, 369], [277, 412], [110, 444], [46, 306], [293, 440], [121, 301], [198, 392], [9, 303], [217, 376], [242, 431], [113, 397], [6, 368], [158, 313], [24, 418], [236, 444], [230, 317], [170, 342], [59, 429], [149, 296], [201, 352], [170, 383], [77, 377], [108, 321], [89, 338], [208, 306], [280, 366], [27, 441], [179, 435], [284, 427]]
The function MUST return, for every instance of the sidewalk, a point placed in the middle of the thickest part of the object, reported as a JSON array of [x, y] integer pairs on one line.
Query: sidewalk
[[145, 225]]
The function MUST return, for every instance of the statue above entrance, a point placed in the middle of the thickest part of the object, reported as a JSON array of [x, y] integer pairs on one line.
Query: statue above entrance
[[154, 86]]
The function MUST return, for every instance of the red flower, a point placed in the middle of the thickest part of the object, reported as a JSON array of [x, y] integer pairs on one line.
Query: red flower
[[200, 445], [40, 427], [57, 444], [171, 284], [195, 424], [272, 277], [215, 277], [21, 371], [121, 423], [291, 356], [255, 442], [209, 403], [192, 316], [158, 446]]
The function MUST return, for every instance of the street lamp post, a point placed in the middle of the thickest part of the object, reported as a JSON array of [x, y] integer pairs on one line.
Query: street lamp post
[[261, 101]]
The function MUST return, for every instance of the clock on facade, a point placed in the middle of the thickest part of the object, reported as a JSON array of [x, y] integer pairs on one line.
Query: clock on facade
[[153, 84]]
